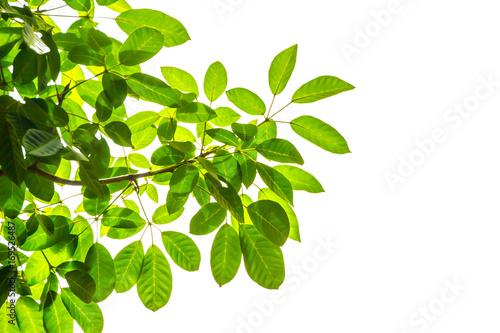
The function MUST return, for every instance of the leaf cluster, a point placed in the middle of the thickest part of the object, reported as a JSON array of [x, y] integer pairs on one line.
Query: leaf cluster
[[49, 140]]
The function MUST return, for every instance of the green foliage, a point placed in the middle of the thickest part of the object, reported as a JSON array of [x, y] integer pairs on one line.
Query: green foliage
[[60, 125]]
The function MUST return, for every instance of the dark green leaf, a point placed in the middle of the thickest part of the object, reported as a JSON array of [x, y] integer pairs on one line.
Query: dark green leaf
[[271, 220], [263, 259], [96, 39], [141, 121], [179, 79], [56, 317], [184, 180], [25, 67], [93, 204], [173, 31], [247, 101], [11, 154], [267, 194], [195, 113], [40, 143], [80, 5], [141, 45], [166, 155], [39, 186], [247, 166], [161, 215]]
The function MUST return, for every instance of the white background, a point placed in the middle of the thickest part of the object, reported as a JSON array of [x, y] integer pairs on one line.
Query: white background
[[397, 246]]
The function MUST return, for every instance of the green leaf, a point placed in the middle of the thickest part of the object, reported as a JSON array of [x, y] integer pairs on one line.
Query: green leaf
[[105, 2], [122, 218], [281, 69], [267, 130], [56, 318], [267, 194], [120, 133], [173, 31], [215, 81], [175, 202], [115, 88], [320, 88], [81, 284], [25, 67], [93, 204], [89, 178], [247, 101], [37, 269], [278, 183], [152, 89], [11, 197], [155, 284], [301, 180], [244, 131], [227, 197], [161, 215], [101, 268], [141, 45], [11, 153], [207, 219], [39, 186], [166, 156], [152, 192], [28, 316], [184, 180], [103, 107], [195, 113], [120, 6], [139, 161], [128, 263], [41, 144], [141, 121], [225, 256], [208, 166], [271, 220], [263, 259], [320, 133], [40, 240], [280, 150], [227, 167], [182, 250], [225, 117], [97, 40], [179, 79], [248, 168], [34, 42], [85, 55], [166, 129], [143, 138], [80, 5], [224, 136], [88, 316]]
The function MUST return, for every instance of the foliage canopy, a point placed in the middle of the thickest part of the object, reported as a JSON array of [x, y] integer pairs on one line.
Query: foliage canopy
[[62, 115]]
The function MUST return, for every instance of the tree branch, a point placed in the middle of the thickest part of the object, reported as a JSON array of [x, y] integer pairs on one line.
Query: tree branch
[[130, 177]]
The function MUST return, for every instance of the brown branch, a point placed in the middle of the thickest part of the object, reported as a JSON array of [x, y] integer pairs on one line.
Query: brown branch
[[130, 177]]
